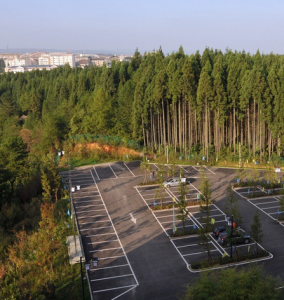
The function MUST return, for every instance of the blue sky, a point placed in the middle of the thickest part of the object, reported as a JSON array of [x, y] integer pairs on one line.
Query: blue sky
[[124, 25]]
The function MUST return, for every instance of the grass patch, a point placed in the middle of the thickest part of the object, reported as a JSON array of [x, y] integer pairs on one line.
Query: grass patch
[[204, 264], [184, 232], [263, 194]]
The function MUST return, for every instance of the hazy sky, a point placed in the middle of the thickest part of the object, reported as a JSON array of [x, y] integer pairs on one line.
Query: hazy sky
[[121, 26]]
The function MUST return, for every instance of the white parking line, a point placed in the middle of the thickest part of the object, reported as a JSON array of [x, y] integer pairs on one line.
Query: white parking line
[[191, 245], [116, 288], [110, 257], [101, 242], [195, 168], [89, 205], [209, 170], [91, 217], [111, 267], [271, 207], [185, 237], [101, 250], [267, 202], [200, 252], [133, 274], [104, 278], [183, 168], [113, 171], [92, 235], [85, 211], [97, 228], [129, 169], [96, 172], [171, 228]]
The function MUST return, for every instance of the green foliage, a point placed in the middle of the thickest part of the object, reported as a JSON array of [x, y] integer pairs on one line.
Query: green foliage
[[256, 229], [182, 212], [160, 194], [232, 206], [205, 203], [145, 169], [2, 65], [248, 283]]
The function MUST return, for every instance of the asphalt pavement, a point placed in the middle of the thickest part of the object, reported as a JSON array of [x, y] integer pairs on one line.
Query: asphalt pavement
[[137, 259]]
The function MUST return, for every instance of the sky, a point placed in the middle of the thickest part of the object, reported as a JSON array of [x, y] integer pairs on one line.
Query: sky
[[121, 26]]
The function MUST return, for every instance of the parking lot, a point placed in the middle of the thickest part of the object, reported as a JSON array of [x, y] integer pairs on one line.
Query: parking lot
[[268, 205], [189, 247], [131, 241], [114, 275]]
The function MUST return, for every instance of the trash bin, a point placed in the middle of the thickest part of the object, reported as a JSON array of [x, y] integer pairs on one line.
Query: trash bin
[[72, 189], [78, 187]]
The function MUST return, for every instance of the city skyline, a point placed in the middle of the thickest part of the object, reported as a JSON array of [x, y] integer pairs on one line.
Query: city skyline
[[121, 27]]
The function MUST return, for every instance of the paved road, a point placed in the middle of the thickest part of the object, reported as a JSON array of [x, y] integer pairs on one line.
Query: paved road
[[137, 260]]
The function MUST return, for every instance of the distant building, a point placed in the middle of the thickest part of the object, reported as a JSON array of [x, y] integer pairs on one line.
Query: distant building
[[99, 62], [18, 61], [44, 59], [83, 63], [22, 69], [57, 59]]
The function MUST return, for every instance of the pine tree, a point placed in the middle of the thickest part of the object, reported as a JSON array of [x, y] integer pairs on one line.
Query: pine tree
[[256, 229]]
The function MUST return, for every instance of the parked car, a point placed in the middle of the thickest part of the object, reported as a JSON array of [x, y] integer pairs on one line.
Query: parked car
[[219, 230], [174, 181], [238, 237]]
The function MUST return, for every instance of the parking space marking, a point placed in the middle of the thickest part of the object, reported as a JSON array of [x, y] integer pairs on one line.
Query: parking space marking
[[195, 169], [96, 228], [261, 209], [116, 288], [270, 207], [101, 242], [85, 211], [90, 205], [129, 169], [267, 202], [99, 279], [117, 256], [113, 227], [89, 217], [96, 172], [113, 171], [101, 250], [92, 235], [174, 240], [199, 252], [209, 170], [118, 266]]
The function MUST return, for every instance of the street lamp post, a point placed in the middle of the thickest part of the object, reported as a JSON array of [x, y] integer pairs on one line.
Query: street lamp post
[[232, 227], [230, 220], [174, 225], [83, 290]]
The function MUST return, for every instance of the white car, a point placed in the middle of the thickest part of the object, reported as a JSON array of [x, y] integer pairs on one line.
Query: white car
[[175, 181]]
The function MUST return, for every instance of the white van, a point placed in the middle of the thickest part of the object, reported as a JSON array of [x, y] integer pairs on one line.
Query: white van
[[174, 181]]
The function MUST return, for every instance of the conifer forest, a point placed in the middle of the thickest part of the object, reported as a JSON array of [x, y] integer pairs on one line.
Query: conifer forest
[[212, 104]]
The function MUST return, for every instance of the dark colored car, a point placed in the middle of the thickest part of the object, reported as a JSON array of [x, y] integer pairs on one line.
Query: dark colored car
[[218, 230], [238, 237]]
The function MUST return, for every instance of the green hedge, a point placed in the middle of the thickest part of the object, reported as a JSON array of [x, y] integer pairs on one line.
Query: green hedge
[[184, 232], [203, 264]]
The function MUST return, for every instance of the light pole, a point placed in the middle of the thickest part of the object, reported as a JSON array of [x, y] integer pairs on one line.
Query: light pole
[[174, 225], [83, 290], [232, 227]]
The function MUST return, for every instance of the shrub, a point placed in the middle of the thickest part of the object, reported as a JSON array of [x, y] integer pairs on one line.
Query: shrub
[[203, 264]]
